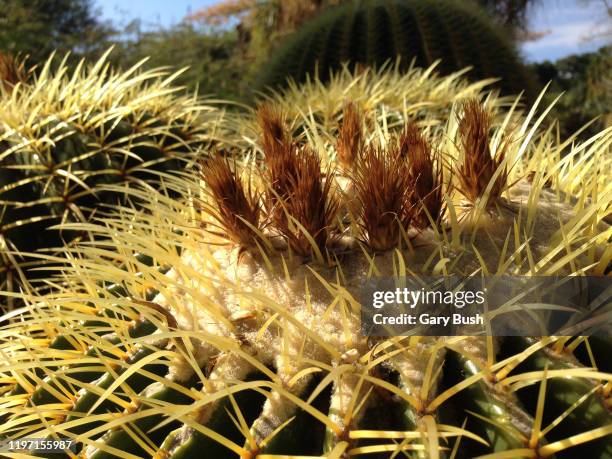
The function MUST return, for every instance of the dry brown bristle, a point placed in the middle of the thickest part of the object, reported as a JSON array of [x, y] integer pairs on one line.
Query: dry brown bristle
[[237, 210], [425, 176], [281, 175], [350, 136], [478, 166], [308, 200], [274, 133], [382, 186], [12, 70], [298, 201], [282, 164]]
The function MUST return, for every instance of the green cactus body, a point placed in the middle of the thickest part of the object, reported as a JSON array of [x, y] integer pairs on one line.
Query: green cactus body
[[258, 350], [374, 32]]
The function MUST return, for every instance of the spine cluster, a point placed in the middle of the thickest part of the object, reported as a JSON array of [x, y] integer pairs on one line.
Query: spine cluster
[[388, 189]]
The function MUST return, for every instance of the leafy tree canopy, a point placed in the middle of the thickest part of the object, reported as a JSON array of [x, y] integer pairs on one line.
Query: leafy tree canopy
[[586, 82], [38, 27], [211, 59]]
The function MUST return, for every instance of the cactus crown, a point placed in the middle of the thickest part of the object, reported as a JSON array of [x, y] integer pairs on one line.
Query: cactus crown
[[387, 189]]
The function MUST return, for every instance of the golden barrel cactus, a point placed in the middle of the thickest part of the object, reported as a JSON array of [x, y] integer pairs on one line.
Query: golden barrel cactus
[[239, 335], [66, 133]]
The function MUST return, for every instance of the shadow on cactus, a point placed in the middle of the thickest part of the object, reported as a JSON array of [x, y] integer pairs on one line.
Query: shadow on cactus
[[66, 134], [242, 337], [374, 32]]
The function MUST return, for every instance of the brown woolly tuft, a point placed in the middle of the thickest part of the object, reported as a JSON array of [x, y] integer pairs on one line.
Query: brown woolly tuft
[[296, 187], [275, 136], [280, 159], [237, 210], [350, 136], [383, 189], [13, 70], [478, 166], [281, 175], [425, 176], [309, 201]]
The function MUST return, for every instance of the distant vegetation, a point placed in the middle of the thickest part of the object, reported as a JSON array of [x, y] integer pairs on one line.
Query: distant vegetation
[[586, 80], [216, 64], [224, 46], [40, 27]]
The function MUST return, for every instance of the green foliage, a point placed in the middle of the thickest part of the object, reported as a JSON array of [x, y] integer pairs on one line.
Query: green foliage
[[510, 13], [40, 27], [215, 63], [67, 135], [372, 32], [586, 82]]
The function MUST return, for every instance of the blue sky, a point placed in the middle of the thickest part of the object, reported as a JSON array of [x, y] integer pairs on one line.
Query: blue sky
[[568, 23]]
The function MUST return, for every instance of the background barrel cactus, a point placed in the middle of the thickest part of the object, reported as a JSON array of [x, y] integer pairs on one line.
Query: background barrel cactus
[[64, 135], [238, 335], [372, 32]]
